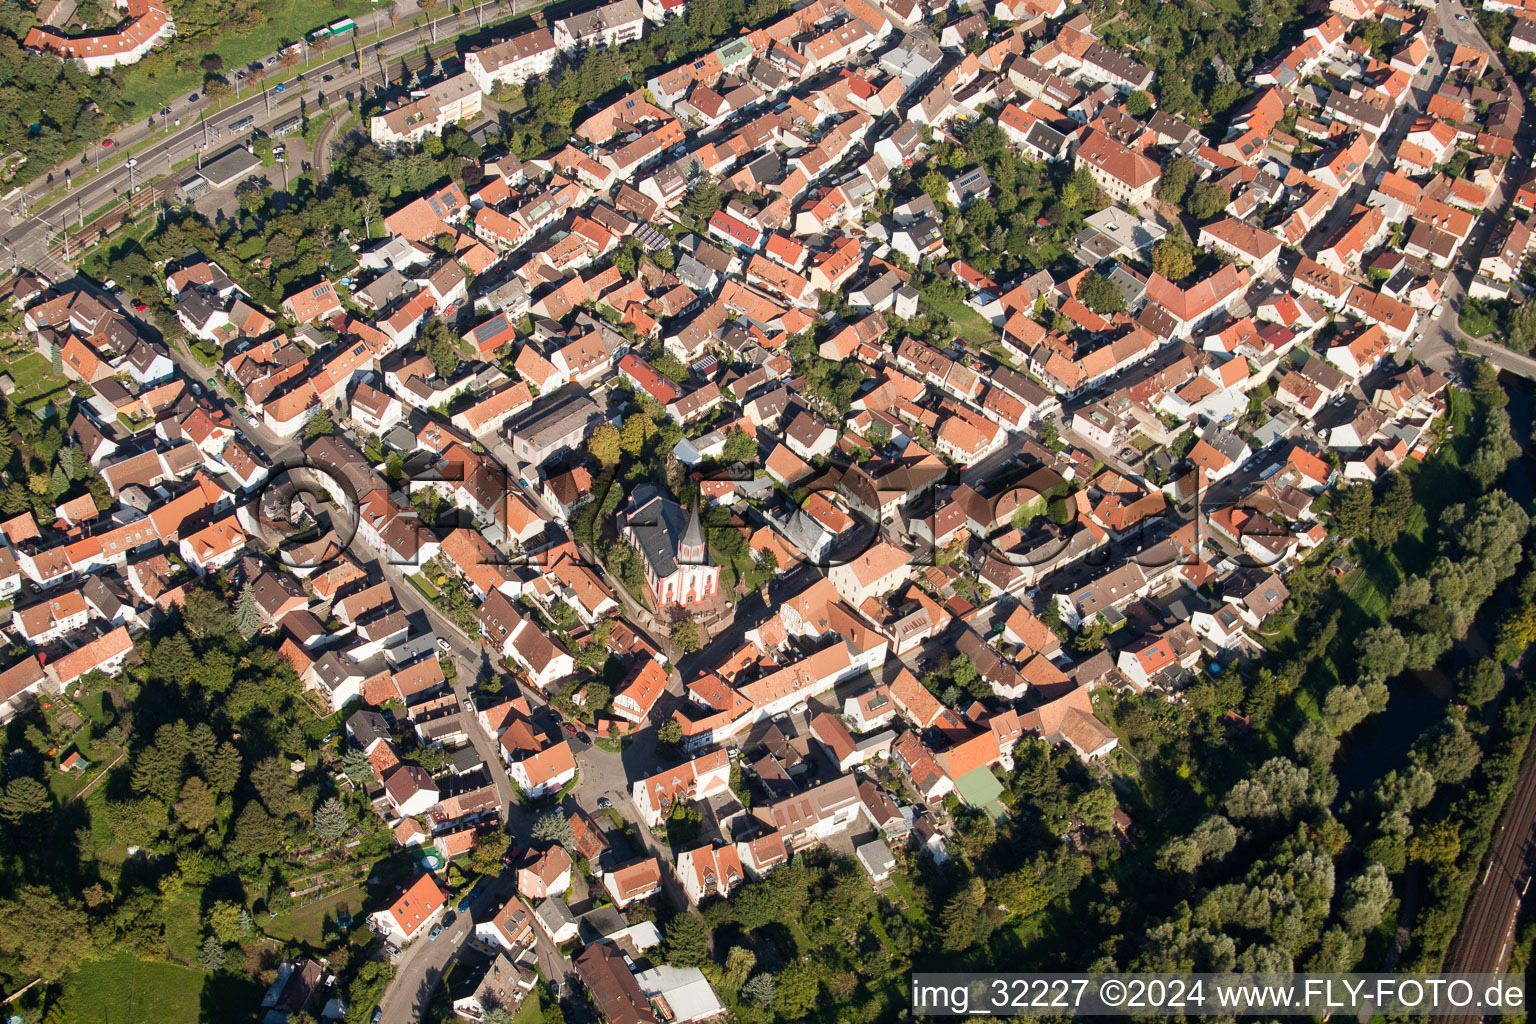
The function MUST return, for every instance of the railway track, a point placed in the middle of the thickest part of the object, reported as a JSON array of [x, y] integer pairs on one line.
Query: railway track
[[1482, 944]]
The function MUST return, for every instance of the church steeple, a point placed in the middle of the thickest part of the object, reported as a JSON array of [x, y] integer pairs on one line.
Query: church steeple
[[690, 547]]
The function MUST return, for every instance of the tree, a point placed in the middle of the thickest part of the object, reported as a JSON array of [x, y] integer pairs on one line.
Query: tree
[[211, 957], [1019, 892], [603, 444], [1274, 792], [1316, 744], [247, 615], [224, 921], [1481, 681], [554, 827], [1100, 294], [1366, 896], [669, 733], [1393, 510], [356, 766], [638, 430], [671, 367], [1138, 103], [207, 615], [218, 88], [196, 809], [485, 856], [1436, 844], [685, 943], [48, 934], [1496, 446], [319, 425], [799, 989], [1344, 708], [1173, 259], [441, 347], [24, 798], [685, 633], [738, 966], [1521, 332], [704, 199], [330, 822], [961, 915], [274, 784], [225, 771], [1179, 175], [1380, 653], [739, 447], [1486, 388], [935, 186], [1446, 750], [1206, 200], [761, 989]]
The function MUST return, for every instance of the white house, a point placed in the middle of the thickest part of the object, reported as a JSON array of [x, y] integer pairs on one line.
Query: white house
[[698, 779], [607, 26], [514, 61], [416, 909]]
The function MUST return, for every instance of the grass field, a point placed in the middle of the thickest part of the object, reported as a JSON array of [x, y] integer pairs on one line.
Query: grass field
[[124, 990], [532, 1010], [970, 326], [307, 923], [424, 585], [36, 383]]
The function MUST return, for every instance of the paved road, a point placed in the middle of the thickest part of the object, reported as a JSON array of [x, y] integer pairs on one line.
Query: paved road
[[1438, 340], [24, 240], [424, 962]]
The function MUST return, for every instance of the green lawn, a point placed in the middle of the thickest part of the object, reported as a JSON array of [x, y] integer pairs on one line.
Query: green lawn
[[64, 785], [124, 989], [307, 923], [36, 383], [421, 583], [970, 326], [184, 925], [532, 1010]]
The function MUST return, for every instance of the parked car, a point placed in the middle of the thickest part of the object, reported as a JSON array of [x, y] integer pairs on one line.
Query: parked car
[[192, 98], [568, 727], [108, 143], [604, 803], [437, 930], [442, 642]]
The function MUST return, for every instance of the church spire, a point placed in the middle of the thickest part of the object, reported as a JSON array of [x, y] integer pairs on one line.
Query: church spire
[[691, 546]]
